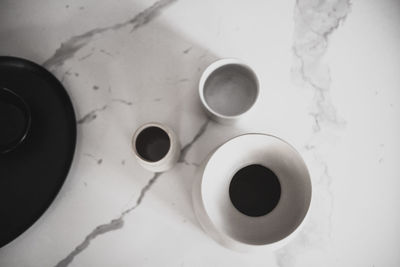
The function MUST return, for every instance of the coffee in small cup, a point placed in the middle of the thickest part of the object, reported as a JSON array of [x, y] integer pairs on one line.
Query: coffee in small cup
[[152, 143], [156, 147]]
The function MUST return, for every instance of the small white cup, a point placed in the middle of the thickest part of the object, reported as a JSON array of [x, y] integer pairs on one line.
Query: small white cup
[[228, 89], [219, 213], [156, 147]]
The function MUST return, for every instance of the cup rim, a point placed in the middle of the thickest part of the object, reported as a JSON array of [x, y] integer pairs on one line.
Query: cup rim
[[27, 125], [166, 129], [217, 65]]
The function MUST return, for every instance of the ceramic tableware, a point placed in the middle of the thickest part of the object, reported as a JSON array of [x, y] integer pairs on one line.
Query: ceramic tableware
[[156, 147], [253, 192], [228, 89]]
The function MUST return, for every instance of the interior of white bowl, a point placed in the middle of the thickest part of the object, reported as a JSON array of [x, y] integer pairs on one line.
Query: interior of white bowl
[[293, 176], [230, 88]]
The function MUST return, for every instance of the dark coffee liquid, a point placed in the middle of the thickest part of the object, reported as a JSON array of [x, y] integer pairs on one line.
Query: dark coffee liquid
[[255, 190], [152, 144]]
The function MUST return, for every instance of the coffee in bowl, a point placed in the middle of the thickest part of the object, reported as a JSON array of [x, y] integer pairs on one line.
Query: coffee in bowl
[[255, 190], [254, 199]]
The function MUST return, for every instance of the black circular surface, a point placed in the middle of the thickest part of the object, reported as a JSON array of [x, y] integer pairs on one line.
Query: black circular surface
[[32, 174], [152, 144], [255, 190]]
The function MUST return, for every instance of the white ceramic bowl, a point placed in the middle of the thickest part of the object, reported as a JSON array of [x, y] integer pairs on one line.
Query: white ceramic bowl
[[233, 229], [168, 160], [228, 89]]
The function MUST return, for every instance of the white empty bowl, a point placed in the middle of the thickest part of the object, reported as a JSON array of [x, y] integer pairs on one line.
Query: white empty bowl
[[229, 226], [228, 89]]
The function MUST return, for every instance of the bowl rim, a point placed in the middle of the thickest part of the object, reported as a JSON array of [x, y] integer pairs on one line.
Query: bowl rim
[[226, 239]]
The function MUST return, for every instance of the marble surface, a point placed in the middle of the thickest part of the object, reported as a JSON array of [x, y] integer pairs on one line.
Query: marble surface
[[330, 85]]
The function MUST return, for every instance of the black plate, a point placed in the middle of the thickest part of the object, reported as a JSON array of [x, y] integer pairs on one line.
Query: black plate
[[32, 174]]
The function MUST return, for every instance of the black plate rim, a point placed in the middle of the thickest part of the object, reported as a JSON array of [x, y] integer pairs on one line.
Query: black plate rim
[[32, 66]]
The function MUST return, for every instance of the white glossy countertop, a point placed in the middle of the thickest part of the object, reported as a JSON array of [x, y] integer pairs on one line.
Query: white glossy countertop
[[330, 86]]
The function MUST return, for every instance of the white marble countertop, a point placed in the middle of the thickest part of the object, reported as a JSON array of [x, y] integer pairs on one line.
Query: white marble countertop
[[330, 85]]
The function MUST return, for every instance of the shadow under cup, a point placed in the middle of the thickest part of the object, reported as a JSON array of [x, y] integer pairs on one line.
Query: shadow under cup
[[15, 120]]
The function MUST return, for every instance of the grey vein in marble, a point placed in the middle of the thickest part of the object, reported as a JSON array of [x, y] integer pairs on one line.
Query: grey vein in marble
[[69, 48], [122, 101], [143, 193], [105, 52], [185, 149], [99, 230], [114, 224], [315, 21], [186, 51], [86, 56], [324, 182], [66, 73], [92, 115], [98, 160]]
